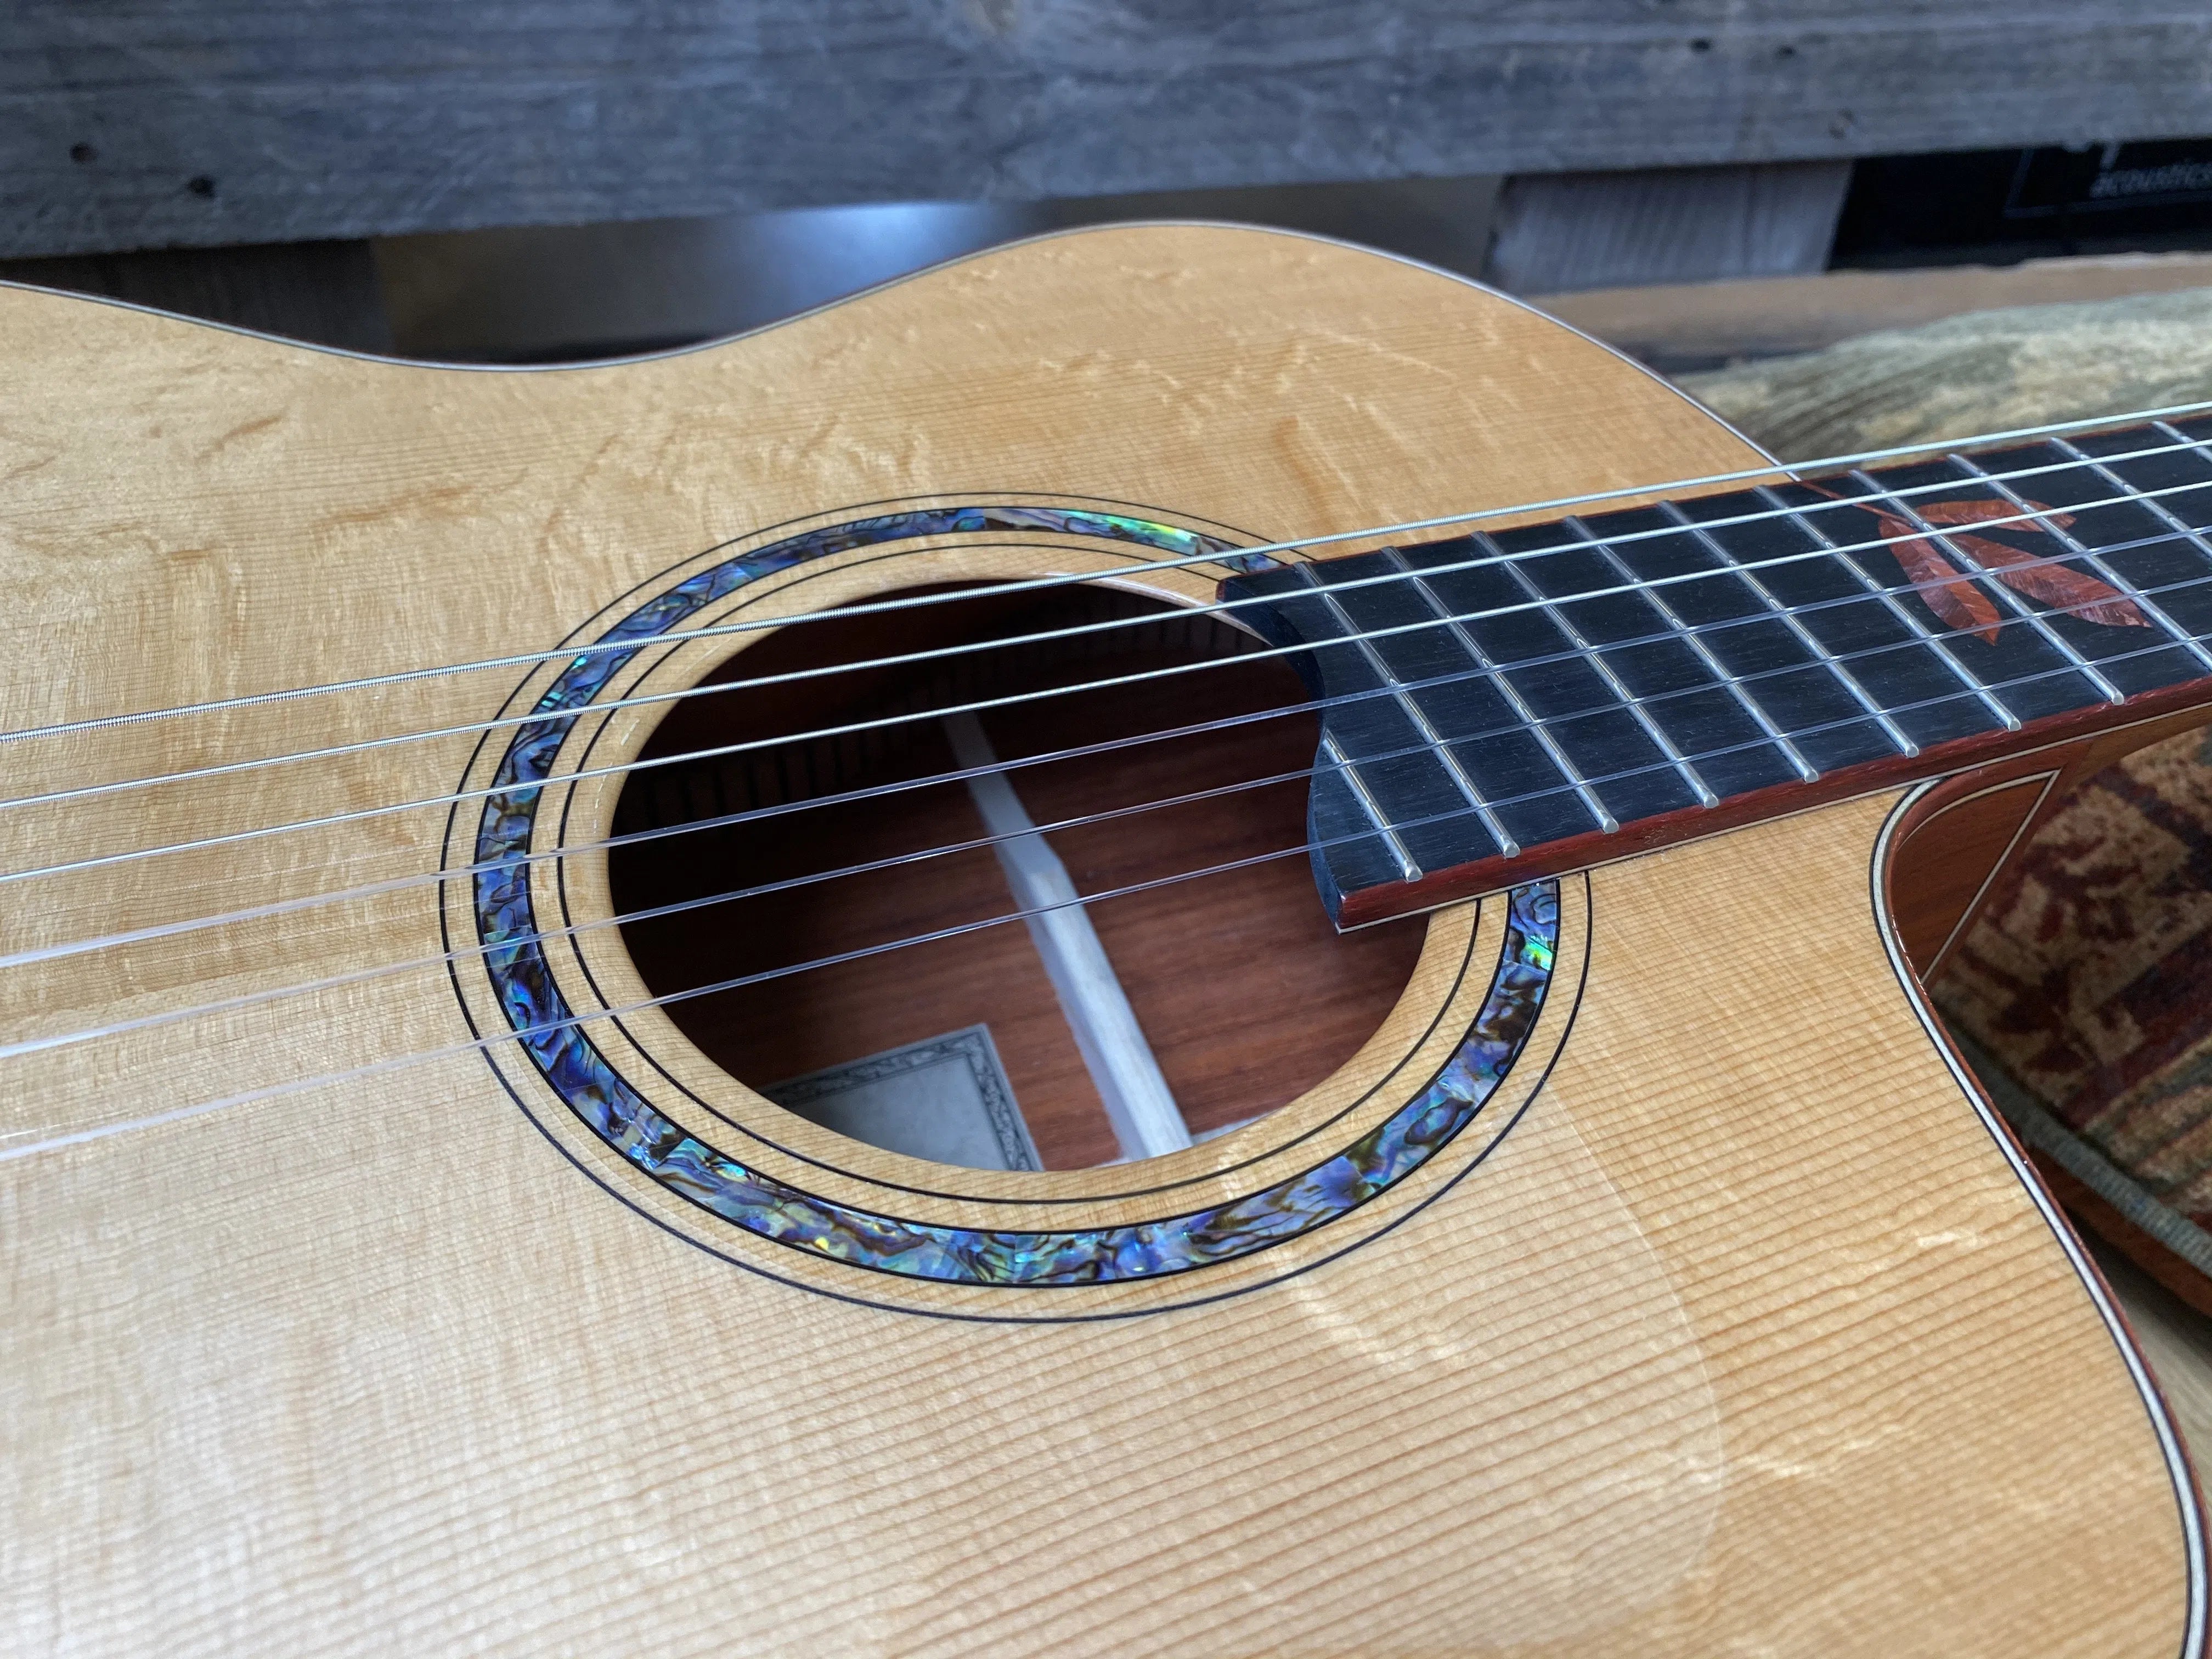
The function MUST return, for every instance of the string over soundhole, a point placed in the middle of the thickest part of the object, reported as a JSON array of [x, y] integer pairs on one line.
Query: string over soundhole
[[1016, 901]]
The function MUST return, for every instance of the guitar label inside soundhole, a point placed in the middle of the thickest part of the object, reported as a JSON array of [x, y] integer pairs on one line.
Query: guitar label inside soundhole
[[945, 1099], [895, 887]]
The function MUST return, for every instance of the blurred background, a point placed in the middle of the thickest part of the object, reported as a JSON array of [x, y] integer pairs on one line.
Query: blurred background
[[547, 182]]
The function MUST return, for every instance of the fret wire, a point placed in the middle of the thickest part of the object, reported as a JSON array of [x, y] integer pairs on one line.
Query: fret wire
[[1811, 642], [1963, 674], [1487, 664], [1414, 713], [2149, 502], [1805, 768], [2019, 607], [1642, 716], [575, 929], [2089, 556], [1334, 754], [2181, 440], [266, 912], [680, 636], [553, 653]]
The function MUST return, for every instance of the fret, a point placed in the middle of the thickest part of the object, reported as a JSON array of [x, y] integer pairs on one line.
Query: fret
[[1650, 657], [1850, 683], [1826, 725], [1607, 673], [1890, 603], [1583, 720], [1335, 760], [1659, 601], [1568, 770], [1391, 771], [1418, 729], [1501, 692], [2180, 580], [2143, 602], [2174, 431], [2196, 445], [1957, 552], [1492, 733], [1353, 846], [2152, 505], [2136, 553], [1419, 720], [1854, 618], [2176, 568], [2175, 472]]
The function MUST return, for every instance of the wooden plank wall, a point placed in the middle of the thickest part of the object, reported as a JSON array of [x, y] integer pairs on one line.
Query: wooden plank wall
[[162, 123]]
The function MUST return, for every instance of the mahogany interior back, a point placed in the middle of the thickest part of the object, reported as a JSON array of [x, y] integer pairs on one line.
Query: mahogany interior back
[[1246, 993]]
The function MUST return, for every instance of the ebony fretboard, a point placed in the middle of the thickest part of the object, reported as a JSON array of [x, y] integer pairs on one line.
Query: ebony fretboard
[[1500, 705]]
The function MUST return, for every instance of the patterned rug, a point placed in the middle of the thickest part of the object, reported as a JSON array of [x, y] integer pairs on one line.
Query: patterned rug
[[2088, 977]]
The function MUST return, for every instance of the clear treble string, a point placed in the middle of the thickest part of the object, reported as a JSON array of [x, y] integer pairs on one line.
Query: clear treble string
[[249, 999]]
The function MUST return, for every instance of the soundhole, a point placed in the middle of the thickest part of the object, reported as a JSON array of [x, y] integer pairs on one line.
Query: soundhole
[[1245, 993]]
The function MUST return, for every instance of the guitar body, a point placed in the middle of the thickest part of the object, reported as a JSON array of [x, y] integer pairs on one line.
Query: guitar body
[[1719, 1315]]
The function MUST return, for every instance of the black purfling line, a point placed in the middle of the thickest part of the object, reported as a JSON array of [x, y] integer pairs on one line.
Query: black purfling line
[[1581, 984], [1413, 1052]]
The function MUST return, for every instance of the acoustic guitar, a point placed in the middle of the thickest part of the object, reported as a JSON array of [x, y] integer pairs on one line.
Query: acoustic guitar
[[1424, 839]]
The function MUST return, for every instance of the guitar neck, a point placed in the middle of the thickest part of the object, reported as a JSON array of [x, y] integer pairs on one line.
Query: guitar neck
[[1508, 704]]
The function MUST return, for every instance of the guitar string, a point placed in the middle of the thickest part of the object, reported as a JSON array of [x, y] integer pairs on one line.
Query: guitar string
[[1618, 645], [1671, 487], [1134, 568], [244, 1001], [485, 1043], [1368, 759], [1389, 690], [852, 728]]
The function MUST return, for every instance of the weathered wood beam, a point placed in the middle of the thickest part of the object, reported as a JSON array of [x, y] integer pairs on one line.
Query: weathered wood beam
[[149, 123]]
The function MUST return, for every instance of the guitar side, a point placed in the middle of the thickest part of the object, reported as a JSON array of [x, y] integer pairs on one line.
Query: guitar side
[[1738, 1325]]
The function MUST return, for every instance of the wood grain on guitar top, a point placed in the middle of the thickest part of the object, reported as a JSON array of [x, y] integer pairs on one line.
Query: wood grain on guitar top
[[1747, 1337]]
